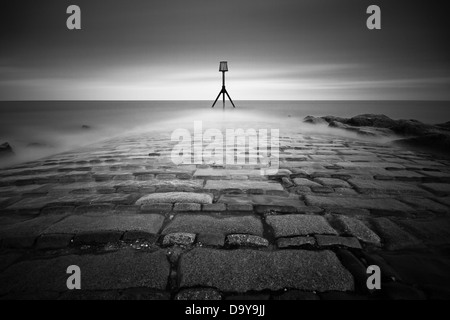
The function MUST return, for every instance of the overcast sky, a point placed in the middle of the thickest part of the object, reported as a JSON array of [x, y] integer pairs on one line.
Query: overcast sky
[[276, 49]]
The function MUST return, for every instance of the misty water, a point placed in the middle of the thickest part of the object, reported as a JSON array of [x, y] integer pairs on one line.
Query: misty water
[[39, 129]]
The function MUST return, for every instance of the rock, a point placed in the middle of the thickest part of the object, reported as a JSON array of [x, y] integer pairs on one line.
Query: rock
[[358, 229], [363, 131], [246, 240], [314, 120], [371, 120], [410, 128], [330, 119], [337, 124], [328, 241], [180, 238], [443, 126], [6, 149]]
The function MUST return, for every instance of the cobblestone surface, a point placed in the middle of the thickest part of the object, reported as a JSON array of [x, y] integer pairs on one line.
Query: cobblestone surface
[[141, 227]]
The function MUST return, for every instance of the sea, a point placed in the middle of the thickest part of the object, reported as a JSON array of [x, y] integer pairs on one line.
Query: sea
[[38, 129]]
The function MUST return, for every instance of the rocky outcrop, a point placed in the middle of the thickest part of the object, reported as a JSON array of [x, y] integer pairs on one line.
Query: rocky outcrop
[[400, 127], [444, 126], [371, 120], [415, 133], [411, 128], [315, 120], [364, 131]]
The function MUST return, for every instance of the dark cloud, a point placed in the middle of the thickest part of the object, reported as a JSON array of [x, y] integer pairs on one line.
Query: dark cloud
[[169, 49]]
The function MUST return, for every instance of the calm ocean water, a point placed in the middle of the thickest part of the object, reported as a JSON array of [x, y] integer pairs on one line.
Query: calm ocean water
[[40, 128]]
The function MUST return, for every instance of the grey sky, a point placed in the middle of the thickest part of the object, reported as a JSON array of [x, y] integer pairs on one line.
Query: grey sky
[[277, 49]]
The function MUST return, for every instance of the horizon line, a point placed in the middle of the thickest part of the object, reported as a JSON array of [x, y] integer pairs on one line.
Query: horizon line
[[168, 100]]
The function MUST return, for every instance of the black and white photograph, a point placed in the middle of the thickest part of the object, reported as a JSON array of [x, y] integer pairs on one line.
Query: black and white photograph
[[241, 151]]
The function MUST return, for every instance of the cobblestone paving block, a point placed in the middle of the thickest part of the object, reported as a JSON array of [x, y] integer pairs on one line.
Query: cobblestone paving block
[[306, 182], [246, 240], [386, 187], [180, 238], [332, 182], [406, 175], [97, 209], [31, 203], [292, 242], [173, 197], [299, 225], [150, 223], [328, 241], [156, 208], [99, 272], [356, 165], [394, 237], [240, 207], [387, 204], [351, 212], [73, 199], [235, 199], [425, 204], [214, 207], [173, 184], [291, 200], [187, 207], [243, 185], [245, 270], [358, 229], [201, 224]]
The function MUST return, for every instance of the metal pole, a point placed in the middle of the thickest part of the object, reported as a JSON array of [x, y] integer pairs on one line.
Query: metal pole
[[223, 88]]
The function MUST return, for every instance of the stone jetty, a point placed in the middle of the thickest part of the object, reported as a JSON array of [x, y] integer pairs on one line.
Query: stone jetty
[[141, 227]]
